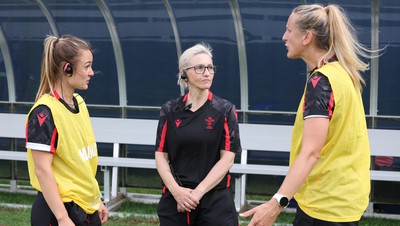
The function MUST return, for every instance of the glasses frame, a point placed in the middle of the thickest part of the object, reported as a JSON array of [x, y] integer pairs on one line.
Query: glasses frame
[[205, 67]]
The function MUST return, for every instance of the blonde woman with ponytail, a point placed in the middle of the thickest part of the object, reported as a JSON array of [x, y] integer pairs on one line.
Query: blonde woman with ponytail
[[329, 174], [62, 151]]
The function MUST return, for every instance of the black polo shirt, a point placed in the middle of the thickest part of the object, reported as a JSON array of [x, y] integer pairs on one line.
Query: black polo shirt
[[193, 140]]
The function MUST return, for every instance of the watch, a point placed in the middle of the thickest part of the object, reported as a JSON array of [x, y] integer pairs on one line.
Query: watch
[[283, 201]]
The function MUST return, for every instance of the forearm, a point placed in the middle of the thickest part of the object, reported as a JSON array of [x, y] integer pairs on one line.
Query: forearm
[[183, 197], [217, 173], [297, 175], [165, 173]]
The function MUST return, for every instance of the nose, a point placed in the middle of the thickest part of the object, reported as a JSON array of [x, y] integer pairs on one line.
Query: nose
[[206, 71], [91, 72], [284, 37]]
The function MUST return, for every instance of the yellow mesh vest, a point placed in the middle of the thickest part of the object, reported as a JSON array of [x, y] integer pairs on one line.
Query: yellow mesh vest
[[338, 187], [75, 161]]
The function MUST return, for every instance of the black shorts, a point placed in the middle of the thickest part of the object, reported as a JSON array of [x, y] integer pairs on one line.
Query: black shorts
[[41, 214], [216, 208], [302, 219]]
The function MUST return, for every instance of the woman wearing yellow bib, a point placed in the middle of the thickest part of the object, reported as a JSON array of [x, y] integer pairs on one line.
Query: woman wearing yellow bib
[[62, 152], [329, 173]]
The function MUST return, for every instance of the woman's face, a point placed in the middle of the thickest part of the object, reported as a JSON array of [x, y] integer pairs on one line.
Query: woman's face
[[293, 38], [82, 71], [197, 80]]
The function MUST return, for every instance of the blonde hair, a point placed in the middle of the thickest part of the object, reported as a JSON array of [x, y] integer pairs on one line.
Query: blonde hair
[[335, 33], [187, 55], [58, 52]]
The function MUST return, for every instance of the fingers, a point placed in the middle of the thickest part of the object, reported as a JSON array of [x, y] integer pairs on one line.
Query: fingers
[[182, 208], [103, 213], [196, 196], [186, 206], [247, 213], [104, 218], [185, 200], [190, 204], [194, 199], [264, 214]]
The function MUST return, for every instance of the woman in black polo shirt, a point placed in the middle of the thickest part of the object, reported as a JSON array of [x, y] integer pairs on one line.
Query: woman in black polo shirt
[[197, 139]]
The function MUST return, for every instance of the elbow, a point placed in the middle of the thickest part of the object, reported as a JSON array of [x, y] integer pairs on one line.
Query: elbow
[[41, 172], [313, 158], [227, 159], [310, 156], [230, 162]]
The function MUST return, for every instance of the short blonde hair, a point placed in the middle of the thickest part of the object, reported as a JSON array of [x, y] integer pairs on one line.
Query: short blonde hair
[[187, 55]]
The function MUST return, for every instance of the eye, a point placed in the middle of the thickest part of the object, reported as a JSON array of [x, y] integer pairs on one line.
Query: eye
[[199, 67]]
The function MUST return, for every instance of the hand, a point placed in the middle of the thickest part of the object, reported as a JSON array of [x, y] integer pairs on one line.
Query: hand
[[186, 202], [264, 214], [197, 194], [103, 213]]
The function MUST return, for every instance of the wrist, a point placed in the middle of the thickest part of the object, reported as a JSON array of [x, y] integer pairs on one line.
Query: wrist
[[62, 217], [200, 190], [173, 188], [282, 200]]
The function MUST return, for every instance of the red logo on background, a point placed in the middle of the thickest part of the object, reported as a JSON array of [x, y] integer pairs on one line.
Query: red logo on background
[[315, 80], [41, 117], [209, 123], [177, 122]]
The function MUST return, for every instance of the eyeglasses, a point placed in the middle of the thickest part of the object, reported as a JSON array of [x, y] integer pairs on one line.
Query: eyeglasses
[[200, 69]]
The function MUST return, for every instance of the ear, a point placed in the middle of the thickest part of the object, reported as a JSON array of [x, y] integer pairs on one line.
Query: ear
[[68, 69], [308, 37], [183, 75]]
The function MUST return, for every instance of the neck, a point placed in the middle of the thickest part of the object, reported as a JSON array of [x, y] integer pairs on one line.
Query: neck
[[65, 92], [197, 98], [314, 58]]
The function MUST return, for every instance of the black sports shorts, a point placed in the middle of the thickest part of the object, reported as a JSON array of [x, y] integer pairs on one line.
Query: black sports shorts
[[302, 219], [41, 214]]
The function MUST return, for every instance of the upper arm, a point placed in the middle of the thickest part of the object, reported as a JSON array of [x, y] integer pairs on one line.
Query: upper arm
[[314, 135], [231, 138], [42, 160], [318, 109], [161, 135], [41, 130], [319, 98]]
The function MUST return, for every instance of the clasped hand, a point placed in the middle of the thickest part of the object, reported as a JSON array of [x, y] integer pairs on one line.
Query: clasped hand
[[186, 199]]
